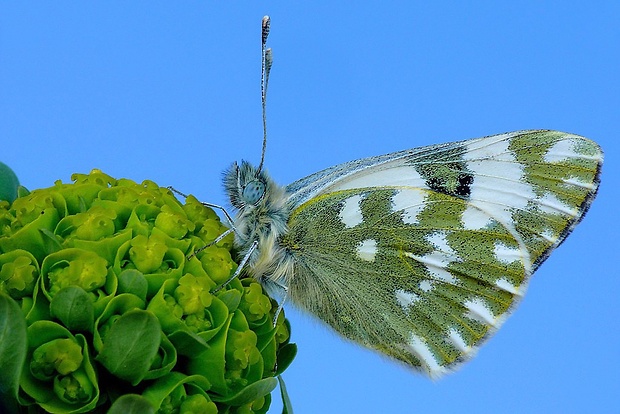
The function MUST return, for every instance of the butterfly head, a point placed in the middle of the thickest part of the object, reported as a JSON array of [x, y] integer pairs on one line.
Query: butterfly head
[[245, 185], [258, 199]]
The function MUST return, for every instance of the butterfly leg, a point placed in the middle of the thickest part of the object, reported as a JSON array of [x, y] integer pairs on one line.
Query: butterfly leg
[[220, 237], [281, 305]]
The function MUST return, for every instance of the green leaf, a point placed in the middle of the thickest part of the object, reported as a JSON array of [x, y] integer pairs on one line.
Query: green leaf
[[13, 347], [188, 343], [287, 407], [212, 363], [8, 183], [50, 241], [250, 393], [231, 299], [119, 305], [30, 237], [74, 308], [165, 361], [131, 404], [105, 247], [133, 281], [131, 345], [167, 386], [39, 308], [286, 354]]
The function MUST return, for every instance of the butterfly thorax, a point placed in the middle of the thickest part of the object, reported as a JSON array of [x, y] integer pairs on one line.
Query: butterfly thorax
[[262, 214]]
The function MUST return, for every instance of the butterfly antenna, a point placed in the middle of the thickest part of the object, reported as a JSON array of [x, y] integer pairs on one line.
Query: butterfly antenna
[[266, 62]]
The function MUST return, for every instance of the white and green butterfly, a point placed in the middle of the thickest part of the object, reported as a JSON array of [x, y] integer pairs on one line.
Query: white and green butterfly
[[419, 254]]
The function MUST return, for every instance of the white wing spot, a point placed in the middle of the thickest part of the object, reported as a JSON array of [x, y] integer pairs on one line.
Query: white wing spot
[[420, 349], [561, 151], [403, 175], [474, 219], [406, 299], [411, 202], [426, 285], [438, 260], [549, 235], [478, 311], [505, 254], [351, 214], [367, 250], [550, 204], [457, 340], [578, 183], [506, 286]]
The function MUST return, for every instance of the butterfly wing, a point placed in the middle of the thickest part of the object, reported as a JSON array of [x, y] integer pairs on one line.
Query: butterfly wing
[[422, 254]]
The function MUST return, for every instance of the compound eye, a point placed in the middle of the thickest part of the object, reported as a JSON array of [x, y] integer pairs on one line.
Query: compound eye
[[253, 192]]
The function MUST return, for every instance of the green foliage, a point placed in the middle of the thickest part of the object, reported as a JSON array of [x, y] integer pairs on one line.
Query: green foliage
[[104, 307], [8, 183], [13, 344]]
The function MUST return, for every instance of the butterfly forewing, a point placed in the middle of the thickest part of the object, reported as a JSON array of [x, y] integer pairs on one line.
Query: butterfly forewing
[[422, 254]]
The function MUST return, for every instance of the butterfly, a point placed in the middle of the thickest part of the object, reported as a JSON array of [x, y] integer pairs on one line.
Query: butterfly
[[419, 254]]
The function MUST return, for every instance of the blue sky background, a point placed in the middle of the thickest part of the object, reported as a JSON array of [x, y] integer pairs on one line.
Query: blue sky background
[[170, 92]]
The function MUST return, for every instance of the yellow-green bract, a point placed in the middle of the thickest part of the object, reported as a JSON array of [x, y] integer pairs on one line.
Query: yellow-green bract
[[420, 254], [115, 305]]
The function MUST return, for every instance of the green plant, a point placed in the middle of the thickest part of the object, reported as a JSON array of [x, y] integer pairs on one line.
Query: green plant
[[103, 307]]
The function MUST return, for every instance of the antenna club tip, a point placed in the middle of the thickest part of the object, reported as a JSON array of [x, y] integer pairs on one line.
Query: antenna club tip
[[265, 29], [265, 25]]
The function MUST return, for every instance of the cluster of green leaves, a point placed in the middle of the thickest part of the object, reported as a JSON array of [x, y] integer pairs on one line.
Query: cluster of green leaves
[[104, 307]]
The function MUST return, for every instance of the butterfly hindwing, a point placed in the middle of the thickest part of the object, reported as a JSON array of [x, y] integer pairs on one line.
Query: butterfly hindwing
[[422, 254]]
